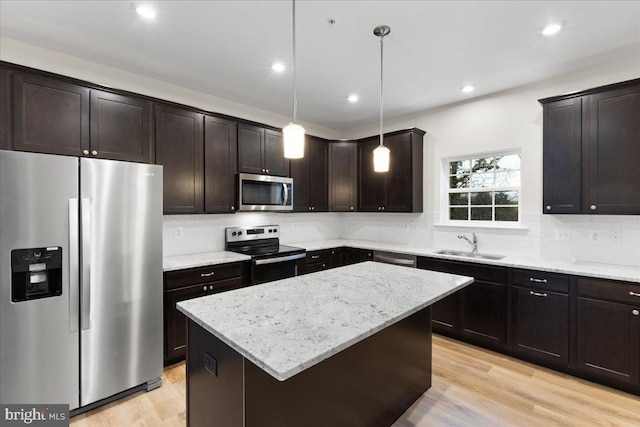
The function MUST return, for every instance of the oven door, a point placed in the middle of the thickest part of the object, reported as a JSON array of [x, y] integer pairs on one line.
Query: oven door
[[276, 268], [264, 193]]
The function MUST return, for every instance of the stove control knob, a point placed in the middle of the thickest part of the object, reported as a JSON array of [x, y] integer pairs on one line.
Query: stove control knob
[[239, 233], [234, 233]]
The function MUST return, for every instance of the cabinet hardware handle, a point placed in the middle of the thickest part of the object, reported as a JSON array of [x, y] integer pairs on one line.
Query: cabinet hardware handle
[[204, 288], [635, 312], [324, 265], [85, 152], [315, 256], [233, 208], [383, 208], [207, 274], [593, 207], [634, 294], [538, 294], [210, 287], [309, 207], [94, 152], [548, 207], [267, 170], [533, 279], [351, 207]]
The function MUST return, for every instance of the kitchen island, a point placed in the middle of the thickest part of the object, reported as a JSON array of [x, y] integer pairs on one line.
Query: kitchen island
[[349, 346]]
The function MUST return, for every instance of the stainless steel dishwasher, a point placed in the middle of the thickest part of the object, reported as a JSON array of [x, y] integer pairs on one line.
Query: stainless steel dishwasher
[[395, 258]]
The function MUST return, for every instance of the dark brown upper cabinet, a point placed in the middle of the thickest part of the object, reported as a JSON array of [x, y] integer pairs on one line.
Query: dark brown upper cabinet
[[310, 177], [220, 165], [343, 176], [399, 189], [119, 127], [179, 149], [5, 115], [261, 151], [591, 151], [49, 116]]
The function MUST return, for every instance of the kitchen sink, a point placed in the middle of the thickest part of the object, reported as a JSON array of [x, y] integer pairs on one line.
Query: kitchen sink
[[468, 254]]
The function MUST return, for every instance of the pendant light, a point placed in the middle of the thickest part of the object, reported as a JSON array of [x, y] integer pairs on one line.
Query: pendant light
[[294, 133], [381, 153]]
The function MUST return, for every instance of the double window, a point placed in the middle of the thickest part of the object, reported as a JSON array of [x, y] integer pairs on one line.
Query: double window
[[483, 188]]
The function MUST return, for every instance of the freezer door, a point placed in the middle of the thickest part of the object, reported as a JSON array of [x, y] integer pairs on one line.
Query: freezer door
[[121, 280], [39, 338]]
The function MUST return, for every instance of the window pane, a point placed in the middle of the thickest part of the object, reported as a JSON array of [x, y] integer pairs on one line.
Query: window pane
[[482, 180], [506, 198], [459, 181], [481, 214], [512, 161], [458, 198], [458, 213], [507, 214], [459, 167], [507, 178], [483, 198], [482, 164]]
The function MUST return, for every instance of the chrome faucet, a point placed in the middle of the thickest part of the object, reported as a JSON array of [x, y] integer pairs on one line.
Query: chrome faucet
[[473, 243]]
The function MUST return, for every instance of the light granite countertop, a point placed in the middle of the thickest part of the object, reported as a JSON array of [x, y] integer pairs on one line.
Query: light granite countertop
[[289, 325], [627, 273]]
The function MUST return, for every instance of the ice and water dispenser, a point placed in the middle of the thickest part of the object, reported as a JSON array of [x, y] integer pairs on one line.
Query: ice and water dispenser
[[36, 273]]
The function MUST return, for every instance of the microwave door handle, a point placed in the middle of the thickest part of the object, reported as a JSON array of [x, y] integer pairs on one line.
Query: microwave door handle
[[285, 193]]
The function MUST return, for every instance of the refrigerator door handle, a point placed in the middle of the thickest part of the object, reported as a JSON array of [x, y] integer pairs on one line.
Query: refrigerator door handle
[[85, 280], [74, 267]]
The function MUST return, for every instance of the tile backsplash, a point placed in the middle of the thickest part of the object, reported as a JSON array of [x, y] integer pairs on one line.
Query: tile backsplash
[[590, 238]]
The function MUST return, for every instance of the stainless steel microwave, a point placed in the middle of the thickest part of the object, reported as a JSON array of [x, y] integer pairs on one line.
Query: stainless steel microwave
[[264, 193]]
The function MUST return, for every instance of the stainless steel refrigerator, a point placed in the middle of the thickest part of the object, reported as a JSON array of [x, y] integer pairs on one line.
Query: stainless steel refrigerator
[[80, 278]]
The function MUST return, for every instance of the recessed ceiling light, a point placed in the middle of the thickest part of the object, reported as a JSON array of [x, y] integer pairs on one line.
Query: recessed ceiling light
[[353, 98], [552, 29], [278, 67], [146, 12], [467, 88]]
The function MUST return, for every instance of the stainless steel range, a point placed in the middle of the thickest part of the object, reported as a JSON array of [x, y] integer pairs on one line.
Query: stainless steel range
[[269, 259]]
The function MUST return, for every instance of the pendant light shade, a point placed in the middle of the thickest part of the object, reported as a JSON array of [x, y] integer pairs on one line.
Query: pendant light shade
[[381, 155], [293, 141], [294, 133]]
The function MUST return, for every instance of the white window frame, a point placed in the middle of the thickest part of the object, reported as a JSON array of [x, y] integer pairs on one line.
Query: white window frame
[[445, 191]]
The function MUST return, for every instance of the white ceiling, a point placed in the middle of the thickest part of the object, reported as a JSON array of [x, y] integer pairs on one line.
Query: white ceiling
[[225, 48]]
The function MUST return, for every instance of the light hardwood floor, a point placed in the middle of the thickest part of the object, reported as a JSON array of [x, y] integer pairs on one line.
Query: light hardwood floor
[[471, 387]]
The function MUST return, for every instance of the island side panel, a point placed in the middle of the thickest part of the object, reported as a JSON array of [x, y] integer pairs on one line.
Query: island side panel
[[371, 383], [213, 400]]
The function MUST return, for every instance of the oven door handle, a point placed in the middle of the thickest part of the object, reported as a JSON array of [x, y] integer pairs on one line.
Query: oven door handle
[[279, 259]]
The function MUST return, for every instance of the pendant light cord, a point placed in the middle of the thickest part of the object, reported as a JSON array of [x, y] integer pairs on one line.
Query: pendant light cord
[[381, 75], [293, 68]]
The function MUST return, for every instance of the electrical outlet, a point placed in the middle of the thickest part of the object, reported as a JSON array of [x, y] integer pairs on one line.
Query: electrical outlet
[[594, 235], [614, 237], [177, 233], [406, 227], [295, 226], [563, 235], [211, 364]]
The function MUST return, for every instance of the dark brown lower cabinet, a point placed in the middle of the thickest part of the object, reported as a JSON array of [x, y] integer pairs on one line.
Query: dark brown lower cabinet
[[182, 285], [483, 312], [540, 325], [446, 315]]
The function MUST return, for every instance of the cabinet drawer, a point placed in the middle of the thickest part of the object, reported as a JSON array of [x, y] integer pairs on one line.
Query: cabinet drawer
[[609, 290], [541, 280], [315, 257], [319, 266], [477, 271], [194, 276]]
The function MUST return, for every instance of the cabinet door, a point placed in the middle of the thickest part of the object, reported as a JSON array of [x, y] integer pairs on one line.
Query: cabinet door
[[562, 145], [343, 176], [609, 340], [5, 133], [119, 127], [179, 149], [250, 142], [483, 315], [398, 182], [446, 314], [220, 165], [336, 257], [300, 175], [540, 325], [614, 152], [274, 161], [370, 183], [317, 163], [49, 116], [352, 256]]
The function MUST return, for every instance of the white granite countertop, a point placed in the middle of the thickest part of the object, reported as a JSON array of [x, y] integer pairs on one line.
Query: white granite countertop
[[180, 262], [289, 325], [627, 273]]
